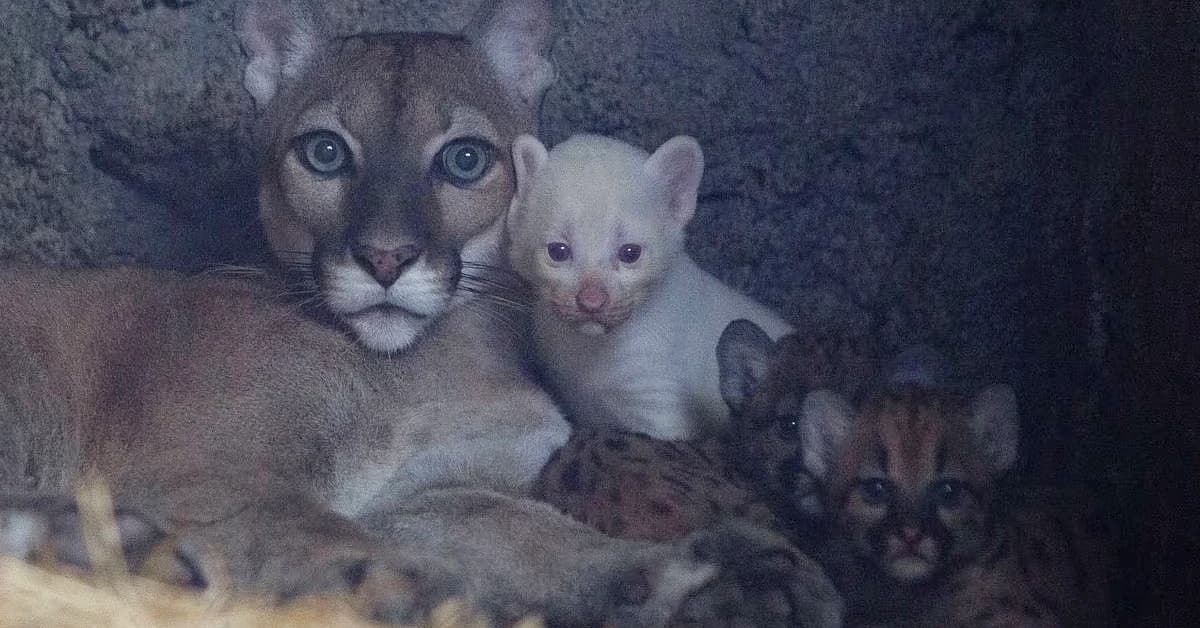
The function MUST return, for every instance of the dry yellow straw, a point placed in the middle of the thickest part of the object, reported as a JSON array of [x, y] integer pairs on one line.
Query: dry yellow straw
[[34, 596]]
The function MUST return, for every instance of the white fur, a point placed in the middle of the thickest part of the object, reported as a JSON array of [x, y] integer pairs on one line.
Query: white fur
[[418, 293], [655, 370]]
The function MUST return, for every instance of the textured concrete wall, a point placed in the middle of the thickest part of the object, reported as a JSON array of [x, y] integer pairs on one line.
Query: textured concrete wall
[[903, 167]]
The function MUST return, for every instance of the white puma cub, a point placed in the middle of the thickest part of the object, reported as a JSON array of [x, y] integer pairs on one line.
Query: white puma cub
[[625, 323]]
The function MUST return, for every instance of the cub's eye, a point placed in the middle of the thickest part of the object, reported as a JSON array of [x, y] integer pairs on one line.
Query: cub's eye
[[629, 253], [464, 161], [875, 491], [789, 426], [324, 152], [947, 493], [558, 251]]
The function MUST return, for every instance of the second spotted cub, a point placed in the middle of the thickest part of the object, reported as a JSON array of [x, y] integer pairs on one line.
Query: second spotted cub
[[625, 322]]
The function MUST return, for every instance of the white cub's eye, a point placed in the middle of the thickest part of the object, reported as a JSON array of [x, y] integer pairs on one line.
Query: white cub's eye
[[558, 251], [465, 160], [323, 152], [629, 253]]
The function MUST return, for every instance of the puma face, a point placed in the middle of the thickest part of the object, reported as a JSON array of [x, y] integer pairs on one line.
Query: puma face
[[382, 173]]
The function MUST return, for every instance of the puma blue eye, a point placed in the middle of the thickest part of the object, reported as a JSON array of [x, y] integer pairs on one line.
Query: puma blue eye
[[324, 152], [465, 160], [629, 253], [558, 251]]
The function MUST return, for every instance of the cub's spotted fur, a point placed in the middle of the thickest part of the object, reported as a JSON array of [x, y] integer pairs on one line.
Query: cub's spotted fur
[[629, 484], [632, 485], [764, 383], [903, 496]]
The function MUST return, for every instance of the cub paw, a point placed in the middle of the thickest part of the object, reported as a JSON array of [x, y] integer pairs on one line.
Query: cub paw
[[760, 580]]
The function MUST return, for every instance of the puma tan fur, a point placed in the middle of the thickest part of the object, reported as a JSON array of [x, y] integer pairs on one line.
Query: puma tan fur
[[279, 451]]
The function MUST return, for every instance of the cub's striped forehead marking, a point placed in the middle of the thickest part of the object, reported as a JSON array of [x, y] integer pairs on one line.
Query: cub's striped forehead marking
[[910, 428]]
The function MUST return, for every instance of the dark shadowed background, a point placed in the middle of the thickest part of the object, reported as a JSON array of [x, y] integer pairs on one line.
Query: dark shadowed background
[[1015, 182]]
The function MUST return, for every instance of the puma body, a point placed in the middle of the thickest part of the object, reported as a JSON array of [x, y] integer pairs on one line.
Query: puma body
[[181, 390]]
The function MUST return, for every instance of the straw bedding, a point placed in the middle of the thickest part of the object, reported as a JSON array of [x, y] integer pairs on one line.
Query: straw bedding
[[108, 596]]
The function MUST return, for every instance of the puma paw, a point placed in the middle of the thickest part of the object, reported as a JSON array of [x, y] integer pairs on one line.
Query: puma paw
[[382, 585], [761, 580], [49, 529]]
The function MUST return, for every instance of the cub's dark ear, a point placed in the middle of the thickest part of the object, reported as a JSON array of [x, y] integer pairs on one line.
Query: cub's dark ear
[[743, 357], [997, 425], [279, 38], [514, 35], [825, 426]]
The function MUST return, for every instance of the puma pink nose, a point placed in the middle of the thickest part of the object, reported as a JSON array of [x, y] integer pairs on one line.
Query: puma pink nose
[[591, 298], [386, 265]]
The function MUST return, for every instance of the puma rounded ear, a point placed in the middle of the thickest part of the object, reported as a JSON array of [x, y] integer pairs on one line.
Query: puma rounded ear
[[677, 166], [997, 425], [279, 38], [826, 419], [528, 155], [513, 35], [743, 358]]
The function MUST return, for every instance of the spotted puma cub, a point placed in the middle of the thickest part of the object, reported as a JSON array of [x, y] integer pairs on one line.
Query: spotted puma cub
[[632, 485], [919, 534], [629, 484]]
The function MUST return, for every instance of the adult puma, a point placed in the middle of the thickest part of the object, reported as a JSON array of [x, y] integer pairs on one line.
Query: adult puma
[[279, 450]]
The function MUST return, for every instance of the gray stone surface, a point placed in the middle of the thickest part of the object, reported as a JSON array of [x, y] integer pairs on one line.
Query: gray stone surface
[[901, 167]]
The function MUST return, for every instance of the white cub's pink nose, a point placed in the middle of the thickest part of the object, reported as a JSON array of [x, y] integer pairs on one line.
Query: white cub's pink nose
[[591, 297]]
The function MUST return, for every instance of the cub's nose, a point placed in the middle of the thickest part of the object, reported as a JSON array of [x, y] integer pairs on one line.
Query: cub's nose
[[386, 265], [912, 535], [591, 298]]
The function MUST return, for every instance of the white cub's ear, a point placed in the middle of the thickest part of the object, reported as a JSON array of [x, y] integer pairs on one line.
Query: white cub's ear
[[279, 38], [997, 425], [743, 357], [513, 35], [677, 166], [825, 424], [528, 155]]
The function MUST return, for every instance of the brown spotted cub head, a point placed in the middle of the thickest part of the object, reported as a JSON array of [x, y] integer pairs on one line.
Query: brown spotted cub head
[[764, 383], [384, 164], [909, 476]]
